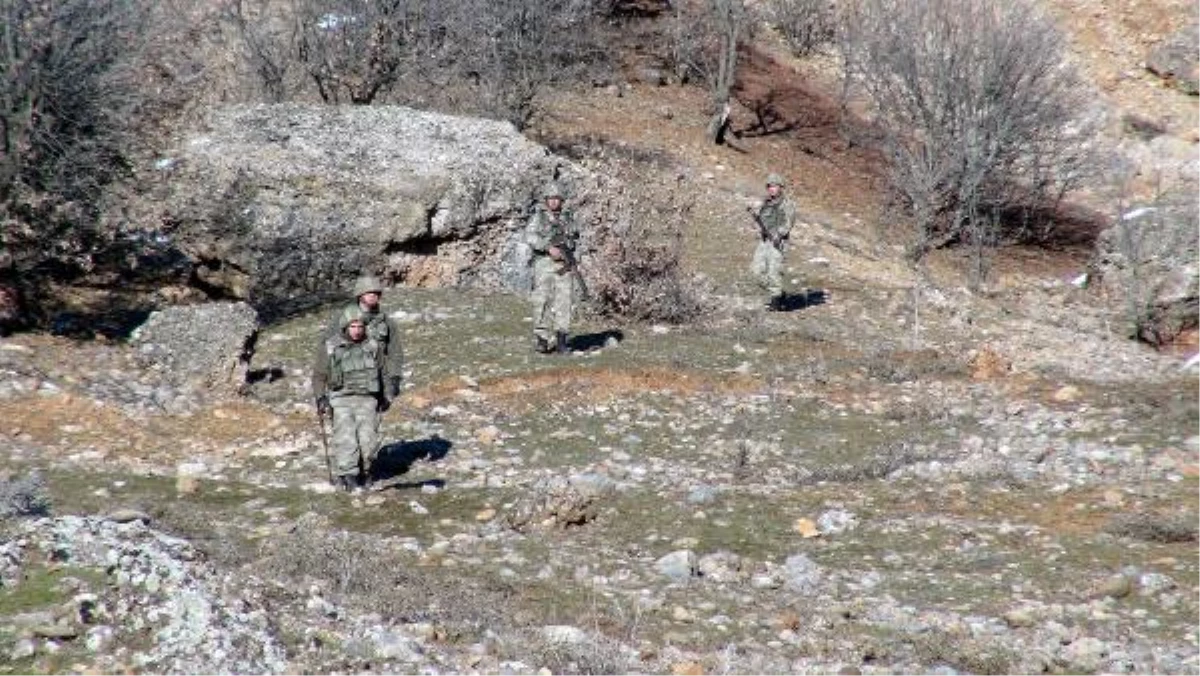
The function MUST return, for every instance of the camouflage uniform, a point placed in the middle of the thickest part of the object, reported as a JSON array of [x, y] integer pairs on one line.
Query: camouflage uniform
[[352, 381], [380, 328], [776, 215], [357, 429], [554, 290]]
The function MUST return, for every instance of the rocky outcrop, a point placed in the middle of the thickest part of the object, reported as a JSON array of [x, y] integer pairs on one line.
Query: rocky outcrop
[[1146, 266], [282, 205], [1174, 60], [210, 344]]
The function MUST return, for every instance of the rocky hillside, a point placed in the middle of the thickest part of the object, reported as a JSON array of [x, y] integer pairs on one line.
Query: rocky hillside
[[893, 475]]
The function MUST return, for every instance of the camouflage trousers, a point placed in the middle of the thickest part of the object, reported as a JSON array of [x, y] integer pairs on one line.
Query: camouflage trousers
[[553, 299], [355, 433], [767, 268]]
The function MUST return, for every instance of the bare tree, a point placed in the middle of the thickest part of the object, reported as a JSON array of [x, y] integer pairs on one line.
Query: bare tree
[[66, 93], [269, 36], [508, 51], [351, 50], [976, 110], [489, 57], [705, 45], [806, 25]]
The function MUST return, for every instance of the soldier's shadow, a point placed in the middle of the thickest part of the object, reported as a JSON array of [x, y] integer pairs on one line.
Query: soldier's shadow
[[791, 302], [586, 342], [395, 460]]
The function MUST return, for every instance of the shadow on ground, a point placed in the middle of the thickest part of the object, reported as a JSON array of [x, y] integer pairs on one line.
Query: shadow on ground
[[586, 342], [790, 302], [396, 458]]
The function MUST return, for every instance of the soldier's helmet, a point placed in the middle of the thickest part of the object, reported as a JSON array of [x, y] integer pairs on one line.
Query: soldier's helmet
[[553, 189], [775, 179], [352, 313], [367, 284]]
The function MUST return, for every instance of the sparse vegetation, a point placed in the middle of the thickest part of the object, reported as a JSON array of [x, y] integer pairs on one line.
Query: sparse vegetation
[[806, 25], [1155, 527], [983, 123], [471, 57], [1150, 252], [24, 496]]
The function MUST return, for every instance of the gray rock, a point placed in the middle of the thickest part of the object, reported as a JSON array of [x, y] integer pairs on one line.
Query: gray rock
[[1148, 257], [702, 495], [98, 639], [679, 565], [389, 645], [283, 205], [836, 521], [23, 649], [721, 567], [801, 573], [564, 634], [210, 344], [1174, 60], [1085, 654]]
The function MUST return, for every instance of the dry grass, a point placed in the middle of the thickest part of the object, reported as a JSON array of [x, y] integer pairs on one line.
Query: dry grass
[[361, 572], [583, 384], [1154, 527]]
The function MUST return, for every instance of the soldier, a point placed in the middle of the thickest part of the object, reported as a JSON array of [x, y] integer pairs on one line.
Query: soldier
[[348, 382], [775, 216], [553, 236], [381, 329], [367, 294]]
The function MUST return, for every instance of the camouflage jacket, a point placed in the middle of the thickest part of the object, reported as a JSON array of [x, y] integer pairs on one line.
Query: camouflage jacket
[[380, 329], [775, 218], [545, 230], [355, 369]]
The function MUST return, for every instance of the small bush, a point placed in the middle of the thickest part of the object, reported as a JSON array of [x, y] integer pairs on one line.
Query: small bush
[[363, 573], [635, 267], [1154, 527], [26, 496], [596, 655]]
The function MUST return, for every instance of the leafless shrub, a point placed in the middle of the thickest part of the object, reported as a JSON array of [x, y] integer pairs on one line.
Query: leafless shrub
[[634, 269], [939, 647], [704, 39], [877, 465], [1154, 527], [593, 655], [66, 94], [977, 113], [900, 367], [269, 37], [354, 566], [806, 25], [72, 96], [25, 496]]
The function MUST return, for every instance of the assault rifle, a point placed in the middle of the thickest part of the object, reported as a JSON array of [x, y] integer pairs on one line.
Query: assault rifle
[[763, 232], [570, 265]]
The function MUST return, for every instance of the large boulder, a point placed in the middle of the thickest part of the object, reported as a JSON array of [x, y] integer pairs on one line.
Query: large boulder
[[1146, 266], [1174, 60], [208, 344], [281, 205]]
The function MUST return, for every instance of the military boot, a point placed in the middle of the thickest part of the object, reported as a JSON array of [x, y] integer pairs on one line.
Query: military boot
[[543, 345], [348, 483], [561, 342]]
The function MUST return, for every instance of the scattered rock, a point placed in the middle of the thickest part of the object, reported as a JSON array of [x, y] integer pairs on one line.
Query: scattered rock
[[678, 566], [125, 515]]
